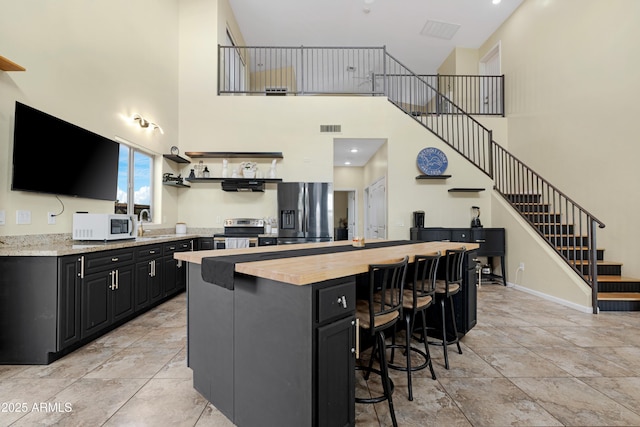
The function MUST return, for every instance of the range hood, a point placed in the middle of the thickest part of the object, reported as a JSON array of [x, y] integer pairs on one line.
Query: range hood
[[243, 185]]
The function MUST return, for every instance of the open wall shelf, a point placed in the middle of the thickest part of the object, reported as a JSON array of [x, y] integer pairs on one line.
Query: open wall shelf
[[433, 176], [234, 154], [175, 158], [465, 190]]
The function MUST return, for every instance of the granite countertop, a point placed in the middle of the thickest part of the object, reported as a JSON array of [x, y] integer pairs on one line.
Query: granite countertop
[[60, 245]]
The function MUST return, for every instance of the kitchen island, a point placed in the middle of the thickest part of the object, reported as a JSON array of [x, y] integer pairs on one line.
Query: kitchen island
[[278, 346]]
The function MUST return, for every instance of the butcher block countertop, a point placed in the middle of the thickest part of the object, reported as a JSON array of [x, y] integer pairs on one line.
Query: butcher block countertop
[[304, 270]]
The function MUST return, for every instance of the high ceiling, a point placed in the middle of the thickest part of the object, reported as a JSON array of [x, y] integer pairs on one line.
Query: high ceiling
[[418, 33]]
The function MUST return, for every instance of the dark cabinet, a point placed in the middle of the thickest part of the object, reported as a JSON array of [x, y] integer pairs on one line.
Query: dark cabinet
[[68, 301], [205, 243], [491, 240], [174, 271], [148, 276], [107, 290], [335, 369], [51, 305], [335, 373]]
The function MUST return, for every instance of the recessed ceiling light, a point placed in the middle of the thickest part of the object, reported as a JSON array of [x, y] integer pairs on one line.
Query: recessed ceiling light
[[354, 150], [347, 162], [496, 1]]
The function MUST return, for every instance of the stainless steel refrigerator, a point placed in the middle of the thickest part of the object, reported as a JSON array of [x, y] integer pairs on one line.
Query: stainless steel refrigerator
[[305, 212]]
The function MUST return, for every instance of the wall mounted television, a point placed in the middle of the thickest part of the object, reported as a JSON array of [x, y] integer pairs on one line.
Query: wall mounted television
[[53, 156]]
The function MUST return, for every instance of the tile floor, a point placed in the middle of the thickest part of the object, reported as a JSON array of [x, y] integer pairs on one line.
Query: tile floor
[[528, 362]]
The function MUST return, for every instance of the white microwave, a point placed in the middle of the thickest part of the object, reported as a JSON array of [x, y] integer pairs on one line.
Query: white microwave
[[88, 226]]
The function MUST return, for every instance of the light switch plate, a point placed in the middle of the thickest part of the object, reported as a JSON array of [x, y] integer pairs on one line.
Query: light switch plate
[[2, 218], [23, 217]]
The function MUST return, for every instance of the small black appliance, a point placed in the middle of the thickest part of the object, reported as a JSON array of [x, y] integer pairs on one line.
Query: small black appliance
[[418, 219], [475, 217]]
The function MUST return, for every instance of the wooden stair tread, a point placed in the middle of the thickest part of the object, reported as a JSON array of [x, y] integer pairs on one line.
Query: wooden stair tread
[[577, 248], [599, 262], [618, 296], [616, 279]]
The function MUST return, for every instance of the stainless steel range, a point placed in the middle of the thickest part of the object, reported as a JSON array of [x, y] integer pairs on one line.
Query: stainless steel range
[[239, 233]]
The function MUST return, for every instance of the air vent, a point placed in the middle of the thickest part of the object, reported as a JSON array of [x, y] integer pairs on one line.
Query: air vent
[[275, 91], [440, 30], [330, 128]]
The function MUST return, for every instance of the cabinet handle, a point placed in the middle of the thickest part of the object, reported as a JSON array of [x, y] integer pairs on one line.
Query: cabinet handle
[[117, 279], [81, 273], [357, 326], [480, 240], [114, 259], [113, 279], [152, 252], [172, 248], [343, 300]]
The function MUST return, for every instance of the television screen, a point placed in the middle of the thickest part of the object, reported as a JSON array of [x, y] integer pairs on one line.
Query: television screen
[[53, 156]]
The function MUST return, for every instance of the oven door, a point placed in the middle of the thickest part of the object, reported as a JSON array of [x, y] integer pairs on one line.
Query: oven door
[[234, 242]]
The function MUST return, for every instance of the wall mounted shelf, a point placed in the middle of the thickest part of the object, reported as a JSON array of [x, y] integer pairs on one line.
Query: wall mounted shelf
[[240, 180], [433, 176], [175, 184], [465, 190], [175, 158], [234, 154], [9, 65]]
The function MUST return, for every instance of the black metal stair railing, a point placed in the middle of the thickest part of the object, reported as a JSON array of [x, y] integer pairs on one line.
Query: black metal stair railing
[[566, 226]]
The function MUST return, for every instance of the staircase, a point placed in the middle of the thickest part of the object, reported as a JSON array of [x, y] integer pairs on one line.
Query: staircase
[[570, 229], [615, 291]]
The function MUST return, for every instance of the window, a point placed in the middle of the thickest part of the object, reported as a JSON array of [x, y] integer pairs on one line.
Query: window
[[135, 190]]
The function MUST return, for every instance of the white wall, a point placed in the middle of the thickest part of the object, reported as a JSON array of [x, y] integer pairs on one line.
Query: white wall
[[92, 64], [571, 97]]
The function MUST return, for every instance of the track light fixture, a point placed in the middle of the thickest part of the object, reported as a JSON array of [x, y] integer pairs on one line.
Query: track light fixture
[[146, 124]]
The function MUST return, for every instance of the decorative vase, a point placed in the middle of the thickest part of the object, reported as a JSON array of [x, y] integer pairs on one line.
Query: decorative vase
[[272, 171], [248, 173], [225, 168]]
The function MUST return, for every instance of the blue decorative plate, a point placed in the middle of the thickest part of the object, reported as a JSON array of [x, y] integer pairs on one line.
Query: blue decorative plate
[[432, 161]]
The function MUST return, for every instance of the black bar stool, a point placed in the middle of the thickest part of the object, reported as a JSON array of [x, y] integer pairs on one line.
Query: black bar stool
[[445, 290], [418, 296], [378, 313]]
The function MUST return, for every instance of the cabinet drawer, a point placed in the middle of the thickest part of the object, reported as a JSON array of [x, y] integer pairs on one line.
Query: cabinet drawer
[[178, 246], [105, 260], [148, 251], [336, 301], [460, 235]]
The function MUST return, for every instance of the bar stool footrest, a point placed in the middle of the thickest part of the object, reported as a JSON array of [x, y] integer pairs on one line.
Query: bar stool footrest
[[375, 399], [413, 368]]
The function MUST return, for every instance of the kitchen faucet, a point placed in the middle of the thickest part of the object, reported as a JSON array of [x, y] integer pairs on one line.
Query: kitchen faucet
[[141, 229]]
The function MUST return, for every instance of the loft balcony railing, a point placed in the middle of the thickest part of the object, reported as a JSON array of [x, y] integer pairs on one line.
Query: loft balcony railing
[[443, 104]]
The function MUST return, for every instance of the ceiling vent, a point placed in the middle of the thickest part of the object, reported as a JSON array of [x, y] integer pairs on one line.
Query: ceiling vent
[[330, 128], [440, 30]]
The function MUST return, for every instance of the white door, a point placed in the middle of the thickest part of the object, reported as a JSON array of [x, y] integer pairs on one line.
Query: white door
[[376, 215], [490, 89], [351, 215]]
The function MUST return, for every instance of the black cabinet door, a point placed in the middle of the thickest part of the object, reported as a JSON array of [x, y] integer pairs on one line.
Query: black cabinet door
[[142, 295], [205, 243], [431, 234], [335, 373], [156, 291], [68, 301], [123, 297], [96, 297], [491, 240], [170, 275]]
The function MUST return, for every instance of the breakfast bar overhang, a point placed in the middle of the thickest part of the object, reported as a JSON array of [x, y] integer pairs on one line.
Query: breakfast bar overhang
[[277, 346]]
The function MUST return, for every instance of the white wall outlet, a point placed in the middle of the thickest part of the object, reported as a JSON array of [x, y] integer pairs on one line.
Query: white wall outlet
[[3, 219], [521, 266], [23, 217], [51, 218]]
